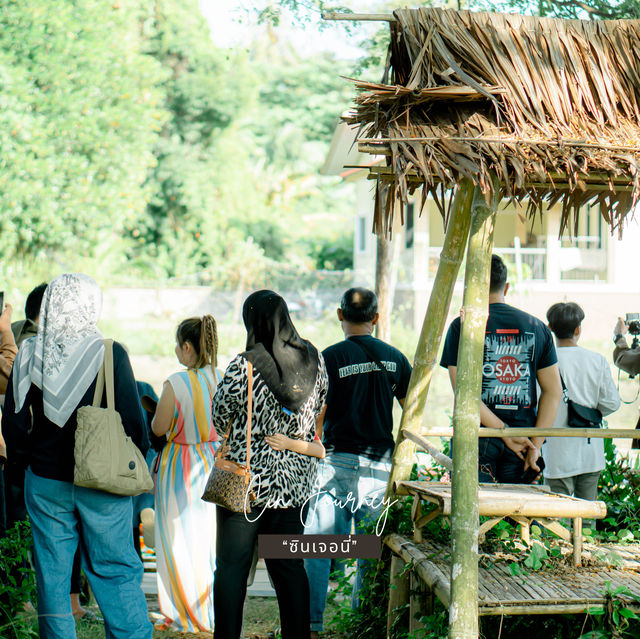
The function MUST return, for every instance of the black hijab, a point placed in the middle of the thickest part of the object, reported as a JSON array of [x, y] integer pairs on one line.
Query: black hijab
[[287, 363]]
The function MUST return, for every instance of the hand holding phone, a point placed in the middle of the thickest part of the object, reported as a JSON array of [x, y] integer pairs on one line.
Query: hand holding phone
[[531, 473]]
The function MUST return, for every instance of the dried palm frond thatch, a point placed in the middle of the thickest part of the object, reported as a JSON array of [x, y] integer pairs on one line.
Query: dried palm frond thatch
[[546, 109]]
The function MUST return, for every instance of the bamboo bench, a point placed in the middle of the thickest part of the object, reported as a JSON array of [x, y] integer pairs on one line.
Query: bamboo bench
[[522, 503], [568, 591]]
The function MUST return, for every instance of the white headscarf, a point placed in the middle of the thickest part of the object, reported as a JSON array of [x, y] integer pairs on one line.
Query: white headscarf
[[66, 355]]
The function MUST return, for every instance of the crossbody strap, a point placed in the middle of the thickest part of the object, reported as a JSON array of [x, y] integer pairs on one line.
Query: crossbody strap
[[249, 411], [372, 356], [249, 418], [105, 372]]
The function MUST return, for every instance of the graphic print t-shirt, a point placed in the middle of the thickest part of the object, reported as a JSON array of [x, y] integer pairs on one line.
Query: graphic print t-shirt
[[359, 417], [516, 346]]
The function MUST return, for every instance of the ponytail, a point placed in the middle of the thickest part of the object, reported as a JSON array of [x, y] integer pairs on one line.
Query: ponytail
[[209, 340], [202, 334]]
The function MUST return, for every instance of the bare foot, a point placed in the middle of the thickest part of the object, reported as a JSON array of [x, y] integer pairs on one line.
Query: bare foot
[[77, 610]]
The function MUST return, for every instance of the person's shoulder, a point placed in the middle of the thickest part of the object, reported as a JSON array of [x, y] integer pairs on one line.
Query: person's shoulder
[[119, 351], [527, 319], [390, 347], [338, 347], [592, 357]]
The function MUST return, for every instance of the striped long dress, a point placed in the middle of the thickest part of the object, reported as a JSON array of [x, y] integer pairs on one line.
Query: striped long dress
[[186, 525]]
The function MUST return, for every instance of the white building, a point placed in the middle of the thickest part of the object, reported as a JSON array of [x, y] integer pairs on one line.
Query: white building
[[593, 268]]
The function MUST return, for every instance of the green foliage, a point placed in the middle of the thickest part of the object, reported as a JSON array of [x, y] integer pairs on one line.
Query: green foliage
[[615, 620], [583, 9], [17, 582], [80, 109], [619, 488]]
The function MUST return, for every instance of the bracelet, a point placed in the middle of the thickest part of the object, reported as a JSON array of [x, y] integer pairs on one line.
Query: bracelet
[[617, 337]]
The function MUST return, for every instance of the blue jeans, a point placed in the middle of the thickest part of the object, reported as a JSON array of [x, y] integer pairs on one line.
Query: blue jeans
[[63, 516], [354, 480], [498, 463]]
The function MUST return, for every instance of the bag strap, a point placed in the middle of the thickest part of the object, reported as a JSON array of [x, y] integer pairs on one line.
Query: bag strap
[[105, 372], [249, 413], [249, 418], [372, 356], [108, 373]]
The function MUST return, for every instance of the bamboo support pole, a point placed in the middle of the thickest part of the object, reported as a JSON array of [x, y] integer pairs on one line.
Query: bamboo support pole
[[437, 455], [594, 433], [559, 143], [398, 592], [356, 17], [425, 359], [463, 607]]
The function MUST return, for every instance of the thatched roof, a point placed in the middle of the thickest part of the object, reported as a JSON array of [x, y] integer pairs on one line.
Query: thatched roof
[[550, 108]]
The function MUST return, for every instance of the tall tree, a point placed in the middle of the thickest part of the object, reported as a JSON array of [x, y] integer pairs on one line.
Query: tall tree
[[81, 110]]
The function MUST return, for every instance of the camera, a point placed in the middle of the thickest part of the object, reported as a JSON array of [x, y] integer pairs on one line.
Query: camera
[[633, 323]]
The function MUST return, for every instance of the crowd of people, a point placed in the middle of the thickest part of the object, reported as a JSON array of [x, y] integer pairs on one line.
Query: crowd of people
[[320, 437]]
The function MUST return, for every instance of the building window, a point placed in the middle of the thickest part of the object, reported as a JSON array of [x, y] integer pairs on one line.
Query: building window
[[408, 226], [361, 234]]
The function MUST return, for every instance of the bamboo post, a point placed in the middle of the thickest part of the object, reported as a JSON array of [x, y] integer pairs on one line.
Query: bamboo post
[[398, 592], [426, 355], [463, 609]]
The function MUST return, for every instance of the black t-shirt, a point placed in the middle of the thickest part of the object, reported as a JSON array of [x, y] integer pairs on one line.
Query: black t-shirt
[[516, 346], [360, 400]]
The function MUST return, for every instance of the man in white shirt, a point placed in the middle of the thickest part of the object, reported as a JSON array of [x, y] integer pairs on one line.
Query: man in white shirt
[[573, 464]]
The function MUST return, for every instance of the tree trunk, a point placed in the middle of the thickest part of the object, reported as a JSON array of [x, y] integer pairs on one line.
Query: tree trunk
[[463, 610], [425, 359]]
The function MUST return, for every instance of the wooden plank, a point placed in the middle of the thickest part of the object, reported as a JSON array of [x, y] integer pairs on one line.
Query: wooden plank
[[570, 591], [398, 592], [498, 500], [594, 433], [358, 17]]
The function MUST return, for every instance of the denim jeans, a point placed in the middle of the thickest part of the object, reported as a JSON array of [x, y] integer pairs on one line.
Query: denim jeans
[[498, 463], [63, 516], [355, 481]]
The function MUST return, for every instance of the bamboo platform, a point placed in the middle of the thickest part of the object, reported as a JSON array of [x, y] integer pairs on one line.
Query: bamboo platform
[[521, 502], [565, 590]]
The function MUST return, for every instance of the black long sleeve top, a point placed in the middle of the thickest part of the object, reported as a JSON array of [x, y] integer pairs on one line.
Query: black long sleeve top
[[48, 449]]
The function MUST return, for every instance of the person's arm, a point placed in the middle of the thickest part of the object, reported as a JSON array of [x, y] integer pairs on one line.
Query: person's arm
[[3, 451], [625, 358], [230, 396], [282, 442], [609, 398], [165, 411], [8, 348], [550, 397], [519, 445], [127, 399], [15, 428]]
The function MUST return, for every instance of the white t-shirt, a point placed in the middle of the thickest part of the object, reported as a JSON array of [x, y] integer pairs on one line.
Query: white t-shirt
[[588, 380]]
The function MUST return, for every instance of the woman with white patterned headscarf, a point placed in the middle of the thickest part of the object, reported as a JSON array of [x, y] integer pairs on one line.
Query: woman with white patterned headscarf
[[54, 374]]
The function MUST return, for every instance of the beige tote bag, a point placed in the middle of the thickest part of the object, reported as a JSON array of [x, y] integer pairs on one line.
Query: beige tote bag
[[105, 456]]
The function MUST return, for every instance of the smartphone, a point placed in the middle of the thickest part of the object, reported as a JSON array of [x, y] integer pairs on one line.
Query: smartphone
[[1, 301], [530, 474]]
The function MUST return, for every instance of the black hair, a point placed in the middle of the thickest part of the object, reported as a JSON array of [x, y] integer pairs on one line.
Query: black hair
[[34, 301], [498, 275], [359, 305], [564, 318]]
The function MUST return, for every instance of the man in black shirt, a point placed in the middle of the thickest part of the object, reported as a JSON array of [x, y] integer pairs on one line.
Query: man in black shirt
[[365, 374], [518, 351]]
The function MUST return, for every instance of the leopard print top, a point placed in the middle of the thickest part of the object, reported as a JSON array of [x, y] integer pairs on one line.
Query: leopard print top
[[282, 478]]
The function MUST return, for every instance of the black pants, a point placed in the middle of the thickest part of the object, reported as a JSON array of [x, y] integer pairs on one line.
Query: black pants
[[236, 537]]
